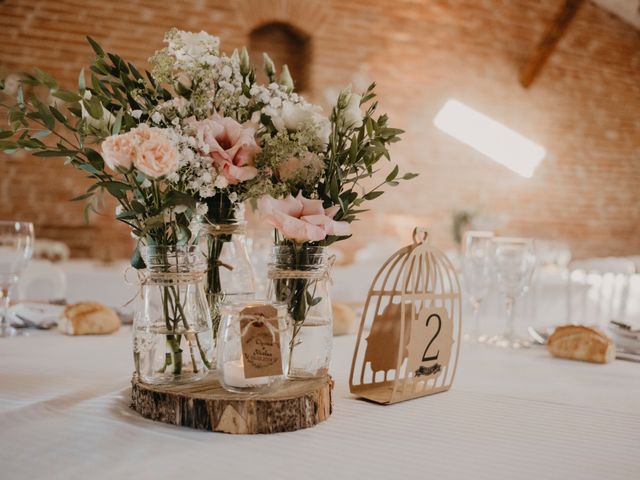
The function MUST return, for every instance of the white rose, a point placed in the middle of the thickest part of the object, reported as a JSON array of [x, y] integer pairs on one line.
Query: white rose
[[295, 116], [352, 115]]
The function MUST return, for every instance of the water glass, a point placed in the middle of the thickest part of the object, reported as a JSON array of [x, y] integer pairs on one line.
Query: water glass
[[476, 274], [514, 262], [16, 248]]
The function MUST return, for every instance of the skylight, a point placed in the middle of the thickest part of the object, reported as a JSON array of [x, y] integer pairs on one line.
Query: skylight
[[489, 137]]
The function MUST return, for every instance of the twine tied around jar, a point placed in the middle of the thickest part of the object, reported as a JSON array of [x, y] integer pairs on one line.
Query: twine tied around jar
[[160, 278], [323, 273], [256, 319]]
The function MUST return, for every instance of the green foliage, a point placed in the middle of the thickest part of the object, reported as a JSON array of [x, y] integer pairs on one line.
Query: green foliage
[[353, 156], [159, 215]]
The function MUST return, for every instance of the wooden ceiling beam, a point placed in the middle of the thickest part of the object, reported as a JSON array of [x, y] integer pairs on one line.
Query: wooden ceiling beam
[[547, 45]]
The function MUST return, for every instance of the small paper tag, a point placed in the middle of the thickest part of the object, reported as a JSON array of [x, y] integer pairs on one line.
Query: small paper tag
[[261, 351]]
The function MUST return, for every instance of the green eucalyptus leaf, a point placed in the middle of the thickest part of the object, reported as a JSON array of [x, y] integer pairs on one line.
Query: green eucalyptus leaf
[[67, 96], [409, 176], [81, 197], [6, 145], [81, 82], [117, 124], [373, 195], [393, 174], [56, 153], [93, 107], [5, 133], [175, 198], [96, 48], [46, 79], [136, 259]]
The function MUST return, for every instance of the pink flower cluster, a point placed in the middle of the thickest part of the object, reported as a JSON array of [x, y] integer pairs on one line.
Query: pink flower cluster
[[232, 146], [145, 148], [302, 219]]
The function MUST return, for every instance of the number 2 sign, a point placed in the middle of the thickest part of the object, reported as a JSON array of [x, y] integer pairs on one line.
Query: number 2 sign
[[430, 344], [409, 338]]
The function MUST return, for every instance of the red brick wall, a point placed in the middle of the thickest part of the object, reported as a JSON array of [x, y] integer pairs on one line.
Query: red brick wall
[[583, 107]]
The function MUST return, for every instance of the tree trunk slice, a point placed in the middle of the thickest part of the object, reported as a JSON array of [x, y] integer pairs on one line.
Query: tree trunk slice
[[205, 405]]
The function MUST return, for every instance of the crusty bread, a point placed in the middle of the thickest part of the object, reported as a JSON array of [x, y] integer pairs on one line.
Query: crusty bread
[[581, 343], [88, 318], [344, 319]]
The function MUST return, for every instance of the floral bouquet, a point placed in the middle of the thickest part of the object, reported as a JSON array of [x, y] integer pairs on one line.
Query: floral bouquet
[[312, 173], [185, 145]]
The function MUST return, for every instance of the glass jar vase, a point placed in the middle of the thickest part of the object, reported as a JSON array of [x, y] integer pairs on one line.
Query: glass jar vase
[[253, 346], [172, 336], [230, 275], [299, 277]]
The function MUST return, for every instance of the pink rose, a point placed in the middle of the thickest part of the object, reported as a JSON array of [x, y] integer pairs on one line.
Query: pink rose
[[147, 149], [232, 146], [302, 219], [119, 151], [158, 157]]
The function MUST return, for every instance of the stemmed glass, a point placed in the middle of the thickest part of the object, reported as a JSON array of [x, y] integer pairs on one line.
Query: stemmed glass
[[16, 247], [476, 273], [514, 262]]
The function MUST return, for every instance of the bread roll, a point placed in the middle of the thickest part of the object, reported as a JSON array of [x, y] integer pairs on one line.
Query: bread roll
[[344, 319], [581, 343], [88, 318]]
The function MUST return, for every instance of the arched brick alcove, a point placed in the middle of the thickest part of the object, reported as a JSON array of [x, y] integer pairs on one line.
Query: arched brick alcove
[[287, 46], [285, 30]]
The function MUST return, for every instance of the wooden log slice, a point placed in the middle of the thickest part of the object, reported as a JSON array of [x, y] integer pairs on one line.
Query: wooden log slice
[[206, 405]]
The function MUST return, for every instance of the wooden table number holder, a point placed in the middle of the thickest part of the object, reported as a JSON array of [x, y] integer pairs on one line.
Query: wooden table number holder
[[409, 337]]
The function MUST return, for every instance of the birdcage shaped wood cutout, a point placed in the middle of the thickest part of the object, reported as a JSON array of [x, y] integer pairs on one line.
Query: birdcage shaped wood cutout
[[409, 337]]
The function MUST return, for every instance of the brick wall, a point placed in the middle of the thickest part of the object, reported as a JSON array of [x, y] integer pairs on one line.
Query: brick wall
[[583, 107]]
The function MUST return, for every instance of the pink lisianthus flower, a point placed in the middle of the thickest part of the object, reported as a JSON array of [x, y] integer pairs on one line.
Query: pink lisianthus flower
[[232, 146], [302, 219]]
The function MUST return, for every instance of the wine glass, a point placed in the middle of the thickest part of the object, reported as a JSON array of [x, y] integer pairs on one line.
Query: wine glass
[[16, 247], [514, 262], [476, 274]]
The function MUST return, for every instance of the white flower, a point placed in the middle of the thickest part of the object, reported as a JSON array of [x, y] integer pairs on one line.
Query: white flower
[[119, 210], [189, 45], [275, 102], [221, 182], [352, 115], [202, 209], [226, 72], [136, 114], [296, 116], [233, 197], [157, 117], [324, 130]]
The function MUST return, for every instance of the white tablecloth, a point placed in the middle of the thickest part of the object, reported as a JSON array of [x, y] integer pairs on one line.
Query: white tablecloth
[[510, 415]]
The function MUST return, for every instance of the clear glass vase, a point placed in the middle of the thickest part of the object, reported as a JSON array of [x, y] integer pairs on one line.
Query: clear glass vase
[[230, 276], [172, 336], [299, 277]]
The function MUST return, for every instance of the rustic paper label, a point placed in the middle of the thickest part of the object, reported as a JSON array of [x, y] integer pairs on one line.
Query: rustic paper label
[[261, 352]]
